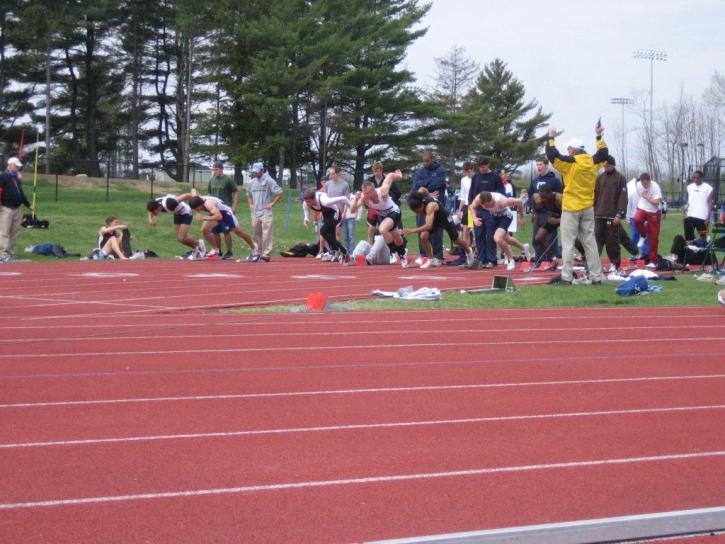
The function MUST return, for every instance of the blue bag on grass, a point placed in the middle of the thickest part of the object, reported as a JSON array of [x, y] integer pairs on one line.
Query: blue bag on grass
[[633, 286]]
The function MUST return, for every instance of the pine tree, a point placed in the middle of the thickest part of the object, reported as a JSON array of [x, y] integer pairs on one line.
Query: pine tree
[[496, 120]]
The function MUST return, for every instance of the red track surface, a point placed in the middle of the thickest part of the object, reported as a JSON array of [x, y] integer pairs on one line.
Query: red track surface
[[129, 422]]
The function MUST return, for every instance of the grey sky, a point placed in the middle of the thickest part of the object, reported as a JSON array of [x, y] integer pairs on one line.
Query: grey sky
[[573, 56]]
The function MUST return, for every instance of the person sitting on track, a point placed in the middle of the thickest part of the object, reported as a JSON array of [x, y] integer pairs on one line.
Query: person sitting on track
[[499, 208], [219, 219], [182, 221], [435, 219], [108, 238], [388, 213], [547, 199]]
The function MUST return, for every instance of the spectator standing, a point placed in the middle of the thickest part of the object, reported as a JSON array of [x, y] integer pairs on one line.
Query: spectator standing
[[464, 203], [539, 214], [223, 187], [263, 194], [12, 198], [432, 177], [335, 186], [484, 180], [349, 221], [579, 172], [698, 210], [610, 208], [648, 217], [632, 202]]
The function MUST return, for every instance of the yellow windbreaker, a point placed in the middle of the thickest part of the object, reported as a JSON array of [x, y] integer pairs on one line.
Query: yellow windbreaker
[[579, 174]]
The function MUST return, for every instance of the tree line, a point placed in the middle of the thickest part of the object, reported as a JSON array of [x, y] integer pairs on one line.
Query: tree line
[[299, 84]]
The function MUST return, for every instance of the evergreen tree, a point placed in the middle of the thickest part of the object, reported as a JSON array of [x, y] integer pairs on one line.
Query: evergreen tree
[[376, 104], [15, 91], [496, 120]]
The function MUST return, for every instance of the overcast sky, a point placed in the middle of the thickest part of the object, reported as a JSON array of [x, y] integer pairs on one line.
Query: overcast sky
[[573, 56]]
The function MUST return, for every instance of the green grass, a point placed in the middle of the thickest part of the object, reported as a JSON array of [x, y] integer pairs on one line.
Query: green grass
[[684, 291], [80, 211]]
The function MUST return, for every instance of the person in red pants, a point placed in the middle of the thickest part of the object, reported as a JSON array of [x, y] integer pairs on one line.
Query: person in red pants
[[648, 216]]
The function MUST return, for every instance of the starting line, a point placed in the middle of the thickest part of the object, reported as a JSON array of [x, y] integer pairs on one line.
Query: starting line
[[617, 529]]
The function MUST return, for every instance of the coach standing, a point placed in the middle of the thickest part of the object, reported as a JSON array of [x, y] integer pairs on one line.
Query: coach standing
[[579, 172], [263, 193], [12, 198], [431, 176]]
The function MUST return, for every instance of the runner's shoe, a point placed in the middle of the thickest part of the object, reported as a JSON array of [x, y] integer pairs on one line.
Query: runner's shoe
[[527, 252], [425, 262]]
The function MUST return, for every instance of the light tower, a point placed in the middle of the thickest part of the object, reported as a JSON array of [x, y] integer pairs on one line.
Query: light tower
[[651, 55], [623, 102]]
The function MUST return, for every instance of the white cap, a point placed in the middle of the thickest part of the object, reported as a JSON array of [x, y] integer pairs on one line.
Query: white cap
[[15, 162], [576, 143], [257, 167]]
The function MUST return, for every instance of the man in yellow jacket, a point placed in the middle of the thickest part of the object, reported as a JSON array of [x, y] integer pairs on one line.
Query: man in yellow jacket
[[579, 173]]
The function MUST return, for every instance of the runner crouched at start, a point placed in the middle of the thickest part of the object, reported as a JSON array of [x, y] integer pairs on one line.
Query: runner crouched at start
[[219, 219], [436, 218]]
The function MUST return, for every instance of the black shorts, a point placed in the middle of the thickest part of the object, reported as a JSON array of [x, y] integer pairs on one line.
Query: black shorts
[[550, 227], [447, 226], [395, 216], [464, 216], [184, 219]]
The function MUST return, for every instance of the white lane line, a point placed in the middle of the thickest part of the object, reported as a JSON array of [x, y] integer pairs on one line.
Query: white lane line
[[361, 391], [355, 326], [236, 319], [360, 426], [579, 359], [362, 481], [48, 302], [493, 342]]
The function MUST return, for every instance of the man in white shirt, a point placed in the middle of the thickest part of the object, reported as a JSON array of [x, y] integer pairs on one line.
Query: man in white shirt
[[648, 216], [698, 209]]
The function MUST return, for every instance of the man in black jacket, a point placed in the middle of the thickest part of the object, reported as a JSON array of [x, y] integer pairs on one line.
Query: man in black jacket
[[539, 215], [12, 198], [484, 180]]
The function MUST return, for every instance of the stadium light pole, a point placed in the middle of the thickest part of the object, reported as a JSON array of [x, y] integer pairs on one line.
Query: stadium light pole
[[651, 55], [623, 101]]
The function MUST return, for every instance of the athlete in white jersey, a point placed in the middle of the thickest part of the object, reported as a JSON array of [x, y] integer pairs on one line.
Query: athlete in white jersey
[[498, 206], [219, 219], [182, 220], [388, 212]]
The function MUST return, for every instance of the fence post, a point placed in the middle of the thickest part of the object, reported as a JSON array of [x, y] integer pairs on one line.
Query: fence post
[[108, 181], [56, 187], [152, 187]]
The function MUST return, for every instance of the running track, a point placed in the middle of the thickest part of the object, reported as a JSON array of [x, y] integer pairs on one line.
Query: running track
[[132, 422]]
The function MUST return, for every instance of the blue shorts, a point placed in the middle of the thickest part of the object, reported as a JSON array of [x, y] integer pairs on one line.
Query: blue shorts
[[502, 221], [227, 224], [395, 216]]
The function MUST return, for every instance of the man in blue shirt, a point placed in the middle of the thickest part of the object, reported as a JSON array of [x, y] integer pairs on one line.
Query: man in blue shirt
[[484, 180], [11, 192], [431, 176]]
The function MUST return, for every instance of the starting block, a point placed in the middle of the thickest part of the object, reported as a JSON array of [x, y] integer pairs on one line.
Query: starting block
[[498, 284]]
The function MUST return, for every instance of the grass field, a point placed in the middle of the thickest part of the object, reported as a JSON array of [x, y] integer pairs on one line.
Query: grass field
[[80, 211]]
